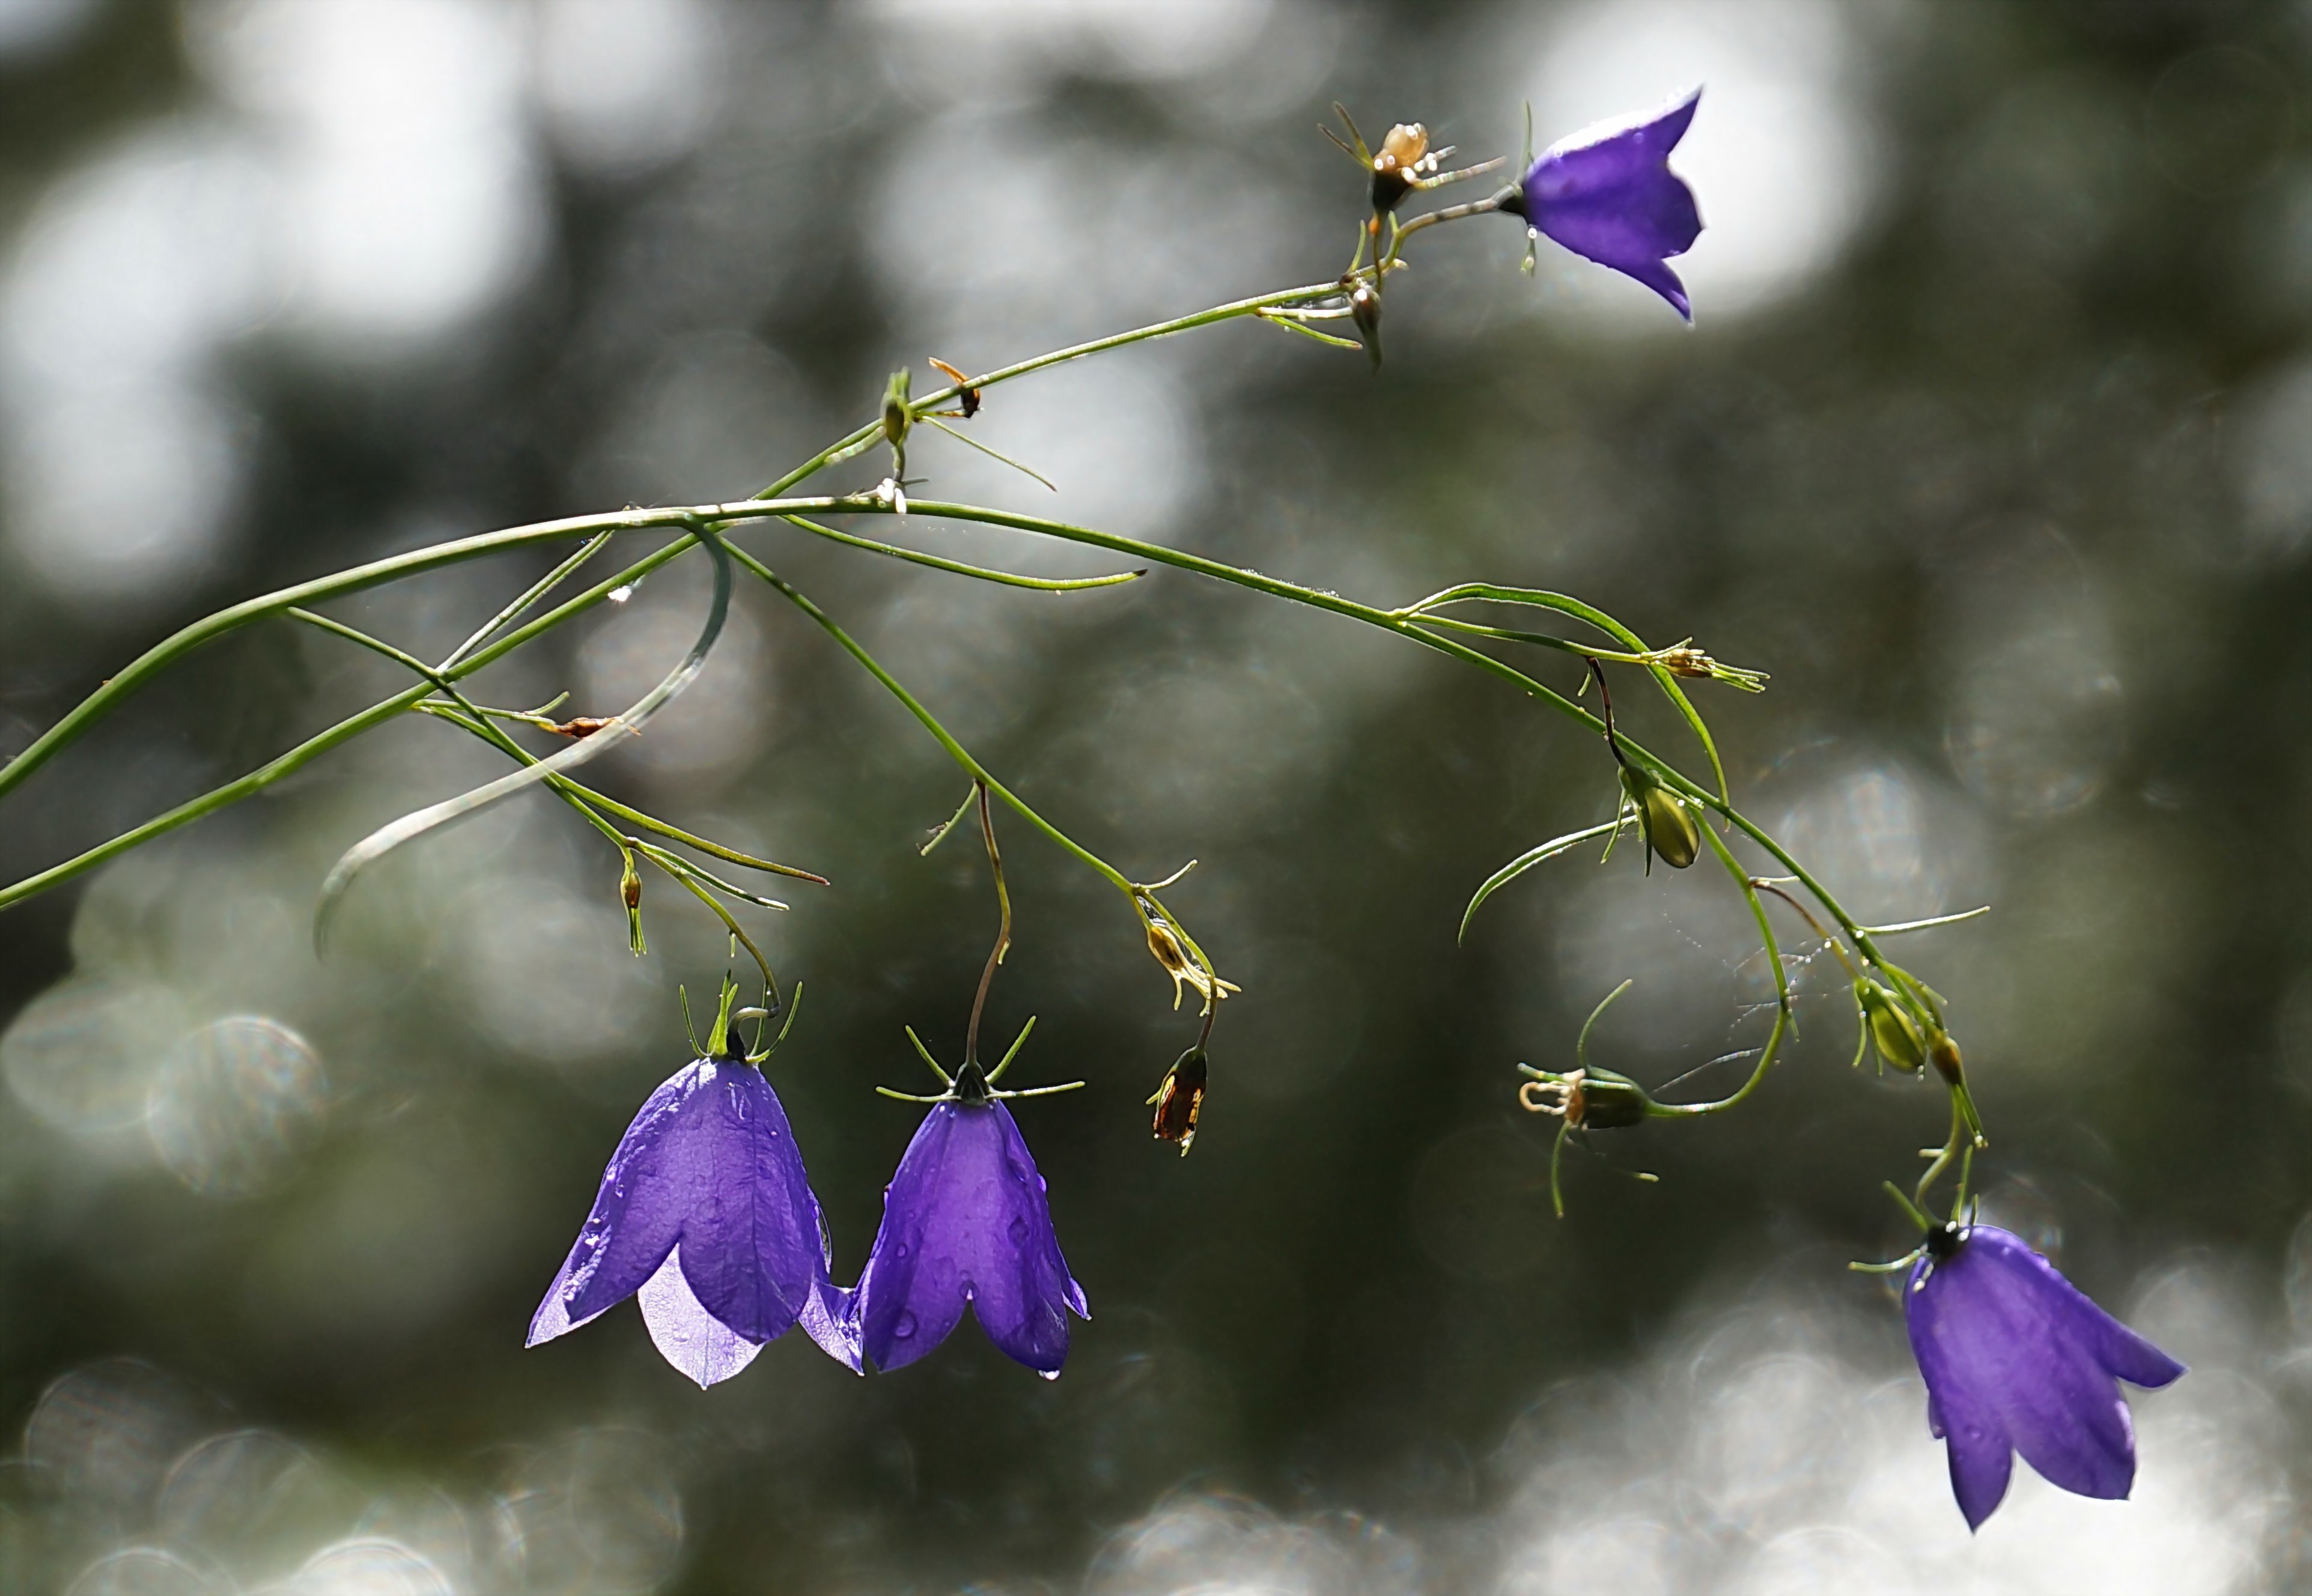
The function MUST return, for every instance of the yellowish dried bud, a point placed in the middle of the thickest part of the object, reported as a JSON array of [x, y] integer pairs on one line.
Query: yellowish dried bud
[[1406, 143]]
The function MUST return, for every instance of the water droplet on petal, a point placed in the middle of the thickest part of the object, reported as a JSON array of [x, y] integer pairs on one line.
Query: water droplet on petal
[[1017, 1231], [899, 1250], [904, 1327], [1047, 1373]]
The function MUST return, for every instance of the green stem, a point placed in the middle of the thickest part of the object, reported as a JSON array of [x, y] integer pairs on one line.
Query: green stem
[[866, 437], [1405, 623], [312, 748], [1942, 1159], [92, 709]]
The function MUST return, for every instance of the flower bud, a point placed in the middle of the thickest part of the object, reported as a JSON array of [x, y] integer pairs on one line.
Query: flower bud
[[630, 893], [1668, 824], [1611, 1101], [1893, 1031], [897, 416], [1180, 1099], [1942, 1052], [1364, 313]]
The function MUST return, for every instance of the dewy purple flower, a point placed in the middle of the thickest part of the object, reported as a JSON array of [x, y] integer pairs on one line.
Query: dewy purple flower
[[2016, 1359], [1607, 194], [966, 1220], [705, 1212]]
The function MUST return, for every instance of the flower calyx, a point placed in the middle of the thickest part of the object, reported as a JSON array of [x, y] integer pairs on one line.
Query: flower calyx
[[1586, 1099], [968, 1084], [1684, 659]]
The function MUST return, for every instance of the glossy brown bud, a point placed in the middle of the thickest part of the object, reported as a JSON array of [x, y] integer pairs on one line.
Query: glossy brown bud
[[1180, 1099]]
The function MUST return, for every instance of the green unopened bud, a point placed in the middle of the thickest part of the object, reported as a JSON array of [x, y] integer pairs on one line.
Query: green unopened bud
[[1667, 824], [897, 415], [1611, 1101], [630, 893], [1893, 1032]]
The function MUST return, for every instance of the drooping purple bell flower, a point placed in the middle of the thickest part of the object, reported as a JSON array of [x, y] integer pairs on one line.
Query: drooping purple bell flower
[[2016, 1359], [966, 1220], [705, 1212], [1607, 194]]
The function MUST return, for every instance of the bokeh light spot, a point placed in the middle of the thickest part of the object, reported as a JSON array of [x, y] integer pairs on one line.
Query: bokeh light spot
[[237, 1103]]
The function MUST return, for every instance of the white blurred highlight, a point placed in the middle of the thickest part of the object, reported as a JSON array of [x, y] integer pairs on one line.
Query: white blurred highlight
[[2272, 463], [31, 27], [409, 198], [124, 466], [237, 1105], [1780, 154], [626, 84], [375, 191], [134, 1499], [961, 41]]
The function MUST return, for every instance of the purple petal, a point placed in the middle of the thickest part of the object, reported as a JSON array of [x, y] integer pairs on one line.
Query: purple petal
[[751, 1245], [686, 1334], [965, 1220], [2129, 1356], [2032, 1335], [2014, 1354], [1607, 194], [636, 1218], [1979, 1452], [709, 1162], [831, 1318]]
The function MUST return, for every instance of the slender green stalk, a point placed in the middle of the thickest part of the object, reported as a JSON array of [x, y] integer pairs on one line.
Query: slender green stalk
[[1405, 623], [208, 629], [313, 748], [866, 437]]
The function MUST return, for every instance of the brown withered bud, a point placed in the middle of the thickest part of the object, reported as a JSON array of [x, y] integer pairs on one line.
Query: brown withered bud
[[966, 398], [583, 726], [1943, 1053], [1364, 311], [1180, 1099]]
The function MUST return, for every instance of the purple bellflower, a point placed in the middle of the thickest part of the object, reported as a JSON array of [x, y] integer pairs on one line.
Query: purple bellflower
[[2016, 1359], [966, 1220], [705, 1214], [1607, 194]]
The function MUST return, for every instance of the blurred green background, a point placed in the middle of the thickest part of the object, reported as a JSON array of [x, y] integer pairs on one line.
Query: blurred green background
[[1992, 441]]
